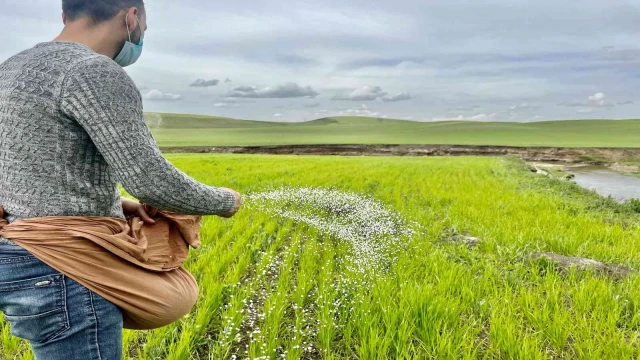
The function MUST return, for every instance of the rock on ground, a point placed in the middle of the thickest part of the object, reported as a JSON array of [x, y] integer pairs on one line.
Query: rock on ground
[[565, 262], [467, 240]]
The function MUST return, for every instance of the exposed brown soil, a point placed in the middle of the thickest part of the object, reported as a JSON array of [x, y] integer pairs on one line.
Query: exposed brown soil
[[584, 155]]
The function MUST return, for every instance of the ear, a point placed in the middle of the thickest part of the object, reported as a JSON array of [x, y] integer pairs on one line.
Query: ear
[[131, 18], [64, 19]]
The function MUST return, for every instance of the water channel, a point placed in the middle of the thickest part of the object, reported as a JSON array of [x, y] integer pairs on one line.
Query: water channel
[[606, 182]]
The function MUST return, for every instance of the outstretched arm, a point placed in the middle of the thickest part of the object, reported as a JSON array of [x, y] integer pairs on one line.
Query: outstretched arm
[[103, 99]]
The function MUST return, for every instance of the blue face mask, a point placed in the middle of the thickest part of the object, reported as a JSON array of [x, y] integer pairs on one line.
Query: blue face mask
[[130, 52]]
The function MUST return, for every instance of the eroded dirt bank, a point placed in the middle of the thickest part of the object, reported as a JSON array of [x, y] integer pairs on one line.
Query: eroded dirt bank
[[584, 155]]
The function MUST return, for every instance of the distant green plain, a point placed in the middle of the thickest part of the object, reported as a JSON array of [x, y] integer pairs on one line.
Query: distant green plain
[[197, 130]]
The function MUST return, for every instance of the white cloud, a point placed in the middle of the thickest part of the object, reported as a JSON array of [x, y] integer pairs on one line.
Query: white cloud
[[205, 83], [225, 105], [524, 106], [573, 104], [286, 90], [361, 110], [230, 100], [598, 100], [157, 95], [466, 108], [479, 117], [398, 97], [278, 115], [365, 93]]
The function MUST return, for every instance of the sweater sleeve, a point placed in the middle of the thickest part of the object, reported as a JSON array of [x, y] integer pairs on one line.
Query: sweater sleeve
[[105, 101]]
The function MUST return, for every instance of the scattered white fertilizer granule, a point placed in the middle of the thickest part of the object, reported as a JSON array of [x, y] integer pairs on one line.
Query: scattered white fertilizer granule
[[371, 230]]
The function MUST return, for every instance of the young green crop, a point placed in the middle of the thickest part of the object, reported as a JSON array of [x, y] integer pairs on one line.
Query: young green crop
[[275, 287]]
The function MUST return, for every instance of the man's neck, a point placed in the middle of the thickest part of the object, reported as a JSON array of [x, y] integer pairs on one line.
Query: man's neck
[[98, 38]]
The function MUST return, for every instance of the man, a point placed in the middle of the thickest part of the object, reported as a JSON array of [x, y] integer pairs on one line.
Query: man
[[71, 128]]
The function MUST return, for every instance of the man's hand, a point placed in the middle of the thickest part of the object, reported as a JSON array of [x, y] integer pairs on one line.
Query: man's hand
[[134, 208], [237, 205]]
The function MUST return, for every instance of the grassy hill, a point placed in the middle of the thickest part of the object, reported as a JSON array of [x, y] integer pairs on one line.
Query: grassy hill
[[198, 130]]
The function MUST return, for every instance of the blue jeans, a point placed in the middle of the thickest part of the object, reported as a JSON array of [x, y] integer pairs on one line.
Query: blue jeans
[[61, 319]]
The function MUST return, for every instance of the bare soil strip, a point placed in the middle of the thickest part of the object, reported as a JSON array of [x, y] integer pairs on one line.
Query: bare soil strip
[[599, 156]]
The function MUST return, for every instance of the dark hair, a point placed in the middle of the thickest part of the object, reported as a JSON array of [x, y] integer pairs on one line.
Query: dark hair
[[97, 10]]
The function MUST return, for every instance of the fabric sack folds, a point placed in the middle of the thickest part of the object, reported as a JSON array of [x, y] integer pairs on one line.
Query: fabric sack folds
[[135, 265]]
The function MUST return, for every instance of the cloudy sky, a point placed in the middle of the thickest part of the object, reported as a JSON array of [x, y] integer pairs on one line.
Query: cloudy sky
[[426, 60]]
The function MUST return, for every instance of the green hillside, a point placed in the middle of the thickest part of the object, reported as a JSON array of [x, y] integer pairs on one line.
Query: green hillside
[[197, 130]]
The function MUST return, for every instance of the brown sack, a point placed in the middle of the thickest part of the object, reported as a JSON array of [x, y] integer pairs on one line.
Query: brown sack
[[135, 265]]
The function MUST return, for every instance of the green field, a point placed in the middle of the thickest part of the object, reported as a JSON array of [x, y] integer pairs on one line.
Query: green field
[[195, 130], [272, 287]]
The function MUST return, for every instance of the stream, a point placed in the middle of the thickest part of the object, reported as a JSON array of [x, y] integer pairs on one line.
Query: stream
[[601, 179], [606, 182]]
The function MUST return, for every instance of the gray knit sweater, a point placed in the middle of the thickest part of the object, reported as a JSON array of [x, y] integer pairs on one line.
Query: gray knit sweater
[[71, 128]]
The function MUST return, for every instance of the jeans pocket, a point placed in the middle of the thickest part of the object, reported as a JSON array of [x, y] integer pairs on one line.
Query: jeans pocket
[[36, 307]]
